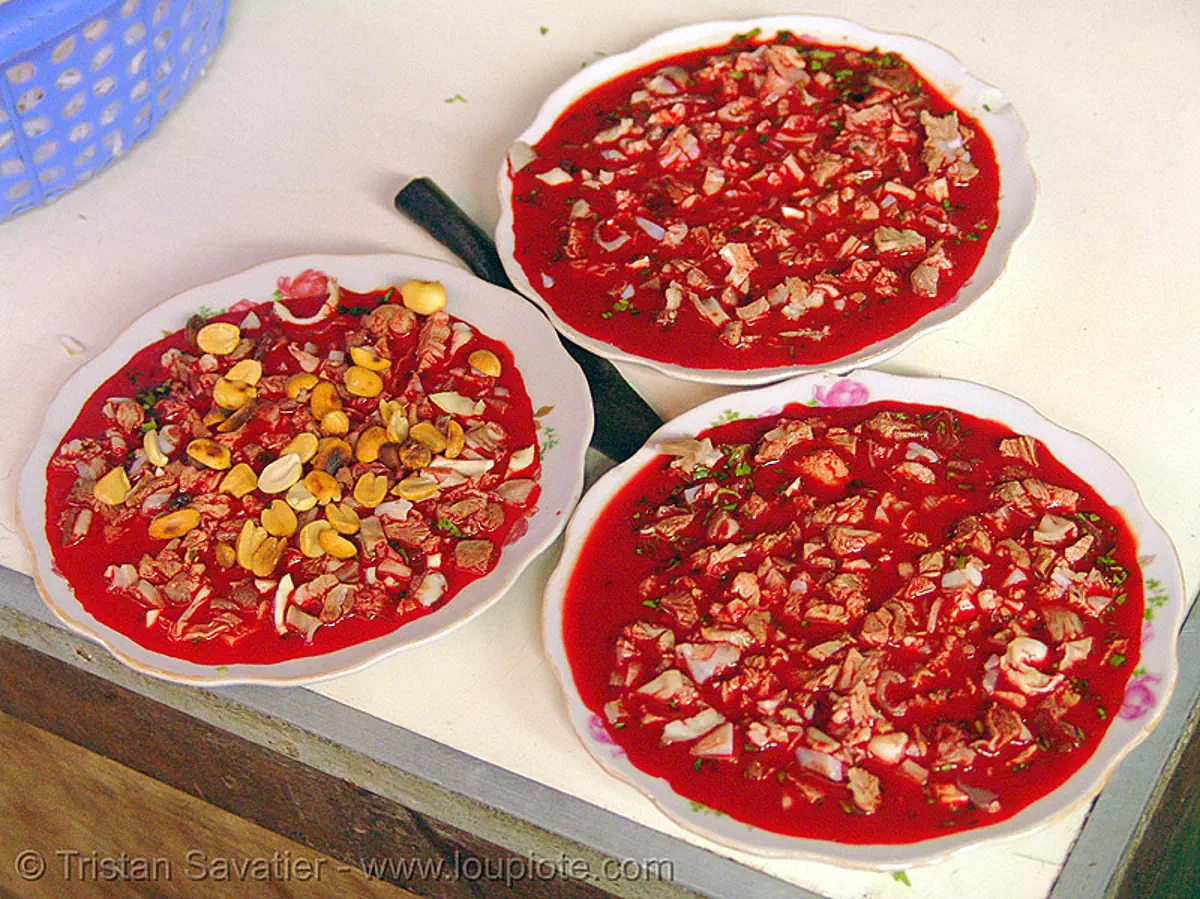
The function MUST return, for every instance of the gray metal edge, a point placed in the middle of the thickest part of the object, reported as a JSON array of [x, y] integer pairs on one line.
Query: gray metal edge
[[393, 762], [1117, 816]]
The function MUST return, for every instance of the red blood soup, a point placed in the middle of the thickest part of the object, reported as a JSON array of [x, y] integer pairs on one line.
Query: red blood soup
[[875, 624], [756, 205], [412, 468]]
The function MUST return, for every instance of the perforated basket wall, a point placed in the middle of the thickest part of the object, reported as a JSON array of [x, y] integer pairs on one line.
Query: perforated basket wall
[[81, 82]]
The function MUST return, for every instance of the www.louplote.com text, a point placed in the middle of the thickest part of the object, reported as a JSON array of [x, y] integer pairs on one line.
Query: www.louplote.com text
[[93, 866]]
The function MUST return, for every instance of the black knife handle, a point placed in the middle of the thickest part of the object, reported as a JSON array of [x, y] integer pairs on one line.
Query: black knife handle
[[432, 208], [624, 421]]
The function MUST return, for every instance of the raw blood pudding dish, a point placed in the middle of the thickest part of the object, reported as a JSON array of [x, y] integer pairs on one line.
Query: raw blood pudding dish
[[295, 476], [755, 205], [873, 624]]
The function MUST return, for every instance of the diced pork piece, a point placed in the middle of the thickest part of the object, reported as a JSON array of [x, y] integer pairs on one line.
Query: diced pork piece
[[706, 659], [1003, 727], [1022, 447], [1074, 652], [473, 555], [894, 240], [1053, 530], [717, 743], [915, 471], [671, 686], [617, 131], [776, 442], [682, 607], [431, 342], [828, 766], [1063, 624], [691, 453], [674, 300], [741, 263], [824, 466], [679, 149], [669, 527], [714, 181], [1051, 497], [949, 795], [888, 748], [924, 280], [892, 426], [864, 787], [844, 541], [691, 728]]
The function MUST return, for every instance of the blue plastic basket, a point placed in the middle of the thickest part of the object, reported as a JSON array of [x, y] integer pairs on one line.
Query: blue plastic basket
[[82, 81]]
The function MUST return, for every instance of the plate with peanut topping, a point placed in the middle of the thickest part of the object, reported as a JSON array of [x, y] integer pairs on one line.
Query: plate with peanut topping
[[871, 620], [739, 202], [287, 474]]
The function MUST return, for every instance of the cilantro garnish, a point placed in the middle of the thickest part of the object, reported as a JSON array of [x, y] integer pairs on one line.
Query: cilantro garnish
[[650, 603], [354, 310], [743, 468], [449, 527], [901, 877], [457, 98]]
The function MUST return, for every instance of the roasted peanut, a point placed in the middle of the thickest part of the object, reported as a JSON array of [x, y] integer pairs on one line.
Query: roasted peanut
[[336, 545], [113, 487], [424, 297], [240, 480], [486, 362], [365, 357], [415, 455], [334, 452], [170, 525], [153, 449], [299, 382], [209, 453], [335, 423], [415, 488], [371, 489], [250, 538], [281, 474], [455, 440], [279, 519], [324, 399], [267, 556], [300, 497], [309, 539], [232, 394], [362, 381], [428, 435], [238, 418], [248, 371], [369, 443], [397, 425], [225, 554], [303, 445], [219, 338], [214, 417], [322, 485], [343, 518]]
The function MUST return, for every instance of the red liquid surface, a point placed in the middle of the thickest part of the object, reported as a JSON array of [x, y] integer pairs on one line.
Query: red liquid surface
[[611, 296], [605, 595]]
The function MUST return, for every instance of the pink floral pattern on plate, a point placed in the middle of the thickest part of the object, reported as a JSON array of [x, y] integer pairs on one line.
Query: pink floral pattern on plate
[[599, 733], [845, 392], [1139, 697]]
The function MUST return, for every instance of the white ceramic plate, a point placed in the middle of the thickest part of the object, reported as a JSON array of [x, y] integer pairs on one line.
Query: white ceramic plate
[[944, 71], [1145, 698], [552, 380]]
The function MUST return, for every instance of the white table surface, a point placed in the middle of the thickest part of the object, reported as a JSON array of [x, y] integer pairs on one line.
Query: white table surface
[[312, 116]]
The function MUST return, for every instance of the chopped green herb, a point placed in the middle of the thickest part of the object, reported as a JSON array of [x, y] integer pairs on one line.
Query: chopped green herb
[[743, 468], [737, 76], [763, 138], [1116, 660], [457, 98], [901, 877], [606, 315], [971, 235], [987, 108], [619, 725], [277, 294], [149, 425], [543, 29], [354, 310], [1101, 713], [650, 603], [748, 36], [822, 55], [696, 764], [700, 472], [447, 526], [842, 74]]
